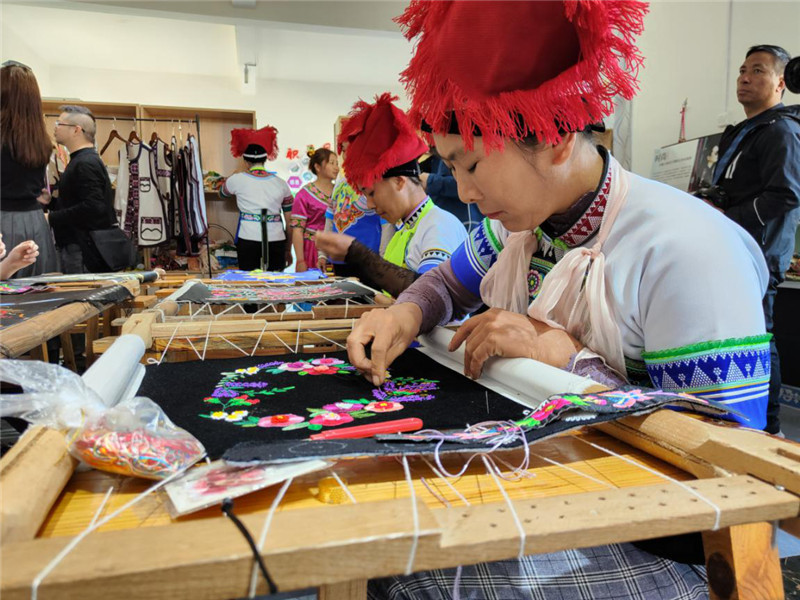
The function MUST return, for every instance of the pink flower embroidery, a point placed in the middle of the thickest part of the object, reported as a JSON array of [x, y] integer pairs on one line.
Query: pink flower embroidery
[[343, 407], [383, 406], [321, 370], [294, 366], [280, 420], [331, 419], [327, 361]]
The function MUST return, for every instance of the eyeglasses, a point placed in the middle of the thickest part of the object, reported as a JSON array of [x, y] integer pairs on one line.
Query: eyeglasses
[[59, 124]]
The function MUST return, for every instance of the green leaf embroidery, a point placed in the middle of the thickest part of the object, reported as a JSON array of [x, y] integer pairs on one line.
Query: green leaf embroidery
[[293, 426], [314, 426], [212, 401]]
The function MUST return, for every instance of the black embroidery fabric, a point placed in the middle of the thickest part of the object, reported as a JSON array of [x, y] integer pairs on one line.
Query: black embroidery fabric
[[16, 308], [260, 294]]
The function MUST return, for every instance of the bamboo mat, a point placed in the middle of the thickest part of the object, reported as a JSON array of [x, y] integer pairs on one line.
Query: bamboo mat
[[371, 480]]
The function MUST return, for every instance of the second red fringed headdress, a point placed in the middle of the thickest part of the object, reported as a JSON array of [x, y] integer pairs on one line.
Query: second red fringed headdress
[[266, 137], [510, 69], [377, 138]]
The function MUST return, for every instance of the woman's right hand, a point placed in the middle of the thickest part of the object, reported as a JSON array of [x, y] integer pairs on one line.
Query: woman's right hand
[[387, 333], [300, 266]]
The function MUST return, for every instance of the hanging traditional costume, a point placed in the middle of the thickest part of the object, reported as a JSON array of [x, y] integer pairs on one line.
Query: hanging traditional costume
[[381, 143], [620, 270], [261, 197]]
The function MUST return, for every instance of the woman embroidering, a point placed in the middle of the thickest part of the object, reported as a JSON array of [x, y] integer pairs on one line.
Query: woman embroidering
[[585, 266]]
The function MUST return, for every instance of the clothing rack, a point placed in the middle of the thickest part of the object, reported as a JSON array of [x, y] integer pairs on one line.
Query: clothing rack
[[196, 121]]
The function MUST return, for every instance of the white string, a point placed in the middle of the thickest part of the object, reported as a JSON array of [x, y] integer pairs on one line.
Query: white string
[[568, 468], [96, 525], [99, 510], [193, 348], [277, 337], [199, 310], [205, 344], [346, 306], [164, 353], [412, 554], [163, 314], [436, 495], [491, 467], [258, 341], [234, 345], [443, 478], [344, 487], [717, 510], [317, 333], [263, 537], [297, 340]]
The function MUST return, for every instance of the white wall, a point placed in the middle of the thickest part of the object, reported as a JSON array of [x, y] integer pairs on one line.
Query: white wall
[[303, 112], [685, 45]]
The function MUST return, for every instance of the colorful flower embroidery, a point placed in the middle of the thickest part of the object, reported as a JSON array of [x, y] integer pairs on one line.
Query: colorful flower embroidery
[[344, 406], [331, 419], [280, 420], [382, 407], [236, 415], [234, 393]]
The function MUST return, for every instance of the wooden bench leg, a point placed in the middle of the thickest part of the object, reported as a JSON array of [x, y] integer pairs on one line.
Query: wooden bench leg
[[92, 326], [742, 563], [350, 590], [40, 353], [68, 351]]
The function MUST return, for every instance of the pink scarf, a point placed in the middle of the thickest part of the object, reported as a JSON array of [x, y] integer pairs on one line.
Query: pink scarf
[[568, 300]]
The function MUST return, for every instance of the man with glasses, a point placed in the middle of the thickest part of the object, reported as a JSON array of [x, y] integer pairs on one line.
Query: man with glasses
[[85, 199]]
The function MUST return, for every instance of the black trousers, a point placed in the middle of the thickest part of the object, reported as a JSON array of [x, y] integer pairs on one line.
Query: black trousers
[[773, 404], [249, 252]]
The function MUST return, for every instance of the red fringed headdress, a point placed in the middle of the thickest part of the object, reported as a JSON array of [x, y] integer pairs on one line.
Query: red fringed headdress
[[266, 137], [377, 138], [509, 69]]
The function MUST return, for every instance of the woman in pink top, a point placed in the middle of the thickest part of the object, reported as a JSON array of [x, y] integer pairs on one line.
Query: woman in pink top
[[310, 204]]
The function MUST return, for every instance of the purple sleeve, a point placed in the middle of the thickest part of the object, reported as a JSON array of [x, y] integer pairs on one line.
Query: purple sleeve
[[440, 296], [596, 369]]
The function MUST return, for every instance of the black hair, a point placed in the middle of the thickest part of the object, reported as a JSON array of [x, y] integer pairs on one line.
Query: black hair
[[318, 157], [89, 129], [254, 150], [780, 55]]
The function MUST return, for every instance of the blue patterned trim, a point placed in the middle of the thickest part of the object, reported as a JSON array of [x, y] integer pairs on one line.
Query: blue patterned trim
[[734, 372], [431, 258], [475, 256]]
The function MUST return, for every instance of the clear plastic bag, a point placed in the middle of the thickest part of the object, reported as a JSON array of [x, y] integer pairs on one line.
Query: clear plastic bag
[[134, 437]]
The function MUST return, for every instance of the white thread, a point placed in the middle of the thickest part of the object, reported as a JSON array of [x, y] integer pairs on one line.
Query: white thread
[[164, 353], [413, 553], [297, 340], [558, 464], [344, 487], [443, 478], [80, 537], [277, 337], [163, 314], [716, 508], [346, 306], [205, 344], [457, 580], [317, 333], [99, 510], [263, 537], [234, 345], [491, 468], [435, 494], [199, 310], [193, 348], [232, 306], [258, 341]]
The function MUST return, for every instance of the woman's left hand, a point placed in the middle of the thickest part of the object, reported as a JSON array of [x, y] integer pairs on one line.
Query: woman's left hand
[[334, 245], [510, 335]]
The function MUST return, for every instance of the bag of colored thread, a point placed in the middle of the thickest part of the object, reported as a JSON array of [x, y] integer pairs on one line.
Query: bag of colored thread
[[133, 437]]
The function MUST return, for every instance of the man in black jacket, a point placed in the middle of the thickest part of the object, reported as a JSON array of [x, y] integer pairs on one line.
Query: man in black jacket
[[758, 176], [85, 200]]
